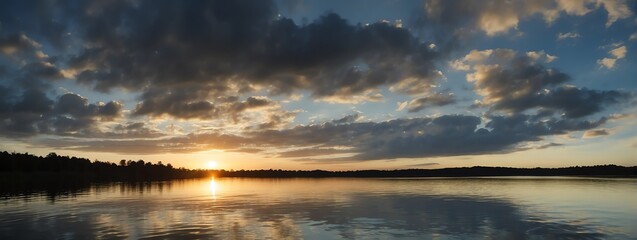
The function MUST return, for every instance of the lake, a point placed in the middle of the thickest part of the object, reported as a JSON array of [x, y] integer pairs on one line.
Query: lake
[[331, 208]]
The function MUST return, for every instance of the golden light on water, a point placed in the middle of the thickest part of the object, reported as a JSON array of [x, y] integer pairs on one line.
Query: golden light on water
[[213, 187]]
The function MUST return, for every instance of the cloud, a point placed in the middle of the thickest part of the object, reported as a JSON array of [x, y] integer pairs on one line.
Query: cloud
[[498, 17], [567, 35], [435, 100], [541, 55], [185, 103], [617, 53], [45, 17], [19, 45], [184, 56], [549, 145], [609, 63], [420, 165], [448, 135], [128, 130], [32, 112], [514, 83], [42, 70], [305, 152], [277, 120], [633, 37], [24, 65], [22, 115], [348, 119], [330, 57], [595, 133], [78, 107], [616, 10]]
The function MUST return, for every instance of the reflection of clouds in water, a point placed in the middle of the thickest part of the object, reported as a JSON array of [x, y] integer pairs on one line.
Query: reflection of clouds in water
[[363, 216], [421, 215]]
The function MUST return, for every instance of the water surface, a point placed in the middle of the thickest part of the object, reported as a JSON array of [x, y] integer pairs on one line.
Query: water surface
[[332, 208]]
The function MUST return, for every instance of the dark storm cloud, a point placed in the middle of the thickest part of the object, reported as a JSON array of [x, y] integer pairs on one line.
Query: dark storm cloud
[[42, 70], [167, 46], [460, 135], [190, 102], [26, 109], [180, 144], [25, 56], [183, 55], [32, 112], [41, 16], [18, 44], [515, 83], [178, 102], [313, 152], [251, 103], [78, 107], [448, 135], [133, 130], [27, 67], [434, 100], [579, 102], [347, 119], [23, 115], [337, 58]]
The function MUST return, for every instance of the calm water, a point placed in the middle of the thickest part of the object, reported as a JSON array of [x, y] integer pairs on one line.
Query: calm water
[[465, 208]]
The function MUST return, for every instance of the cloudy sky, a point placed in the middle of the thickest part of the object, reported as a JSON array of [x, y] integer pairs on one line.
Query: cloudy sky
[[327, 84]]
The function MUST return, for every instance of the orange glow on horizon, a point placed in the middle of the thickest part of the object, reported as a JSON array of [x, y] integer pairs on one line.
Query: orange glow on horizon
[[213, 164]]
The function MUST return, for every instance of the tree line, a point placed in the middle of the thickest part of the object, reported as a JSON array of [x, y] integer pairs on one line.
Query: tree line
[[53, 164], [597, 170], [32, 166]]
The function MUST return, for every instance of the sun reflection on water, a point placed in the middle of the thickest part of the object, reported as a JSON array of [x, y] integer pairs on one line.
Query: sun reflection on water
[[213, 188]]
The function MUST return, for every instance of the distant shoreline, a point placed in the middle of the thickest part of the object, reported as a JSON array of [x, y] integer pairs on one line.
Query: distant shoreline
[[25, 174], [605, 171], [27, 167]]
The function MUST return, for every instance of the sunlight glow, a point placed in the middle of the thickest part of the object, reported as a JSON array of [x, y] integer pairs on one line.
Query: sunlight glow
[[212, 164]]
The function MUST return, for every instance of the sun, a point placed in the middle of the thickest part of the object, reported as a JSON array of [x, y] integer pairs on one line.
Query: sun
[[212, 164]]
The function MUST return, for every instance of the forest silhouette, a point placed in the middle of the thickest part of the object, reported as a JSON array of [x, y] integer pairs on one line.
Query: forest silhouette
[[28, 165], [54, 175], [128, 170]]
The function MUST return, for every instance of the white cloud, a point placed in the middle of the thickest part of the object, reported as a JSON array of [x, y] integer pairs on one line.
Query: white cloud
[[501, 16], [607, 62], [562, 36], [550, 58], [633, 37], [616, 10], [367, 96], [541, 56], [617, 53], [573, 7], [459, 65]]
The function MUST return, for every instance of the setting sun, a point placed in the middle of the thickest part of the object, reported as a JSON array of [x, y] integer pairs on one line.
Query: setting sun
[[212, 164]]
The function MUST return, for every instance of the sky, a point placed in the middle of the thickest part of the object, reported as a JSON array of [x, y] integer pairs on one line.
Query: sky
[[335, 85]]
